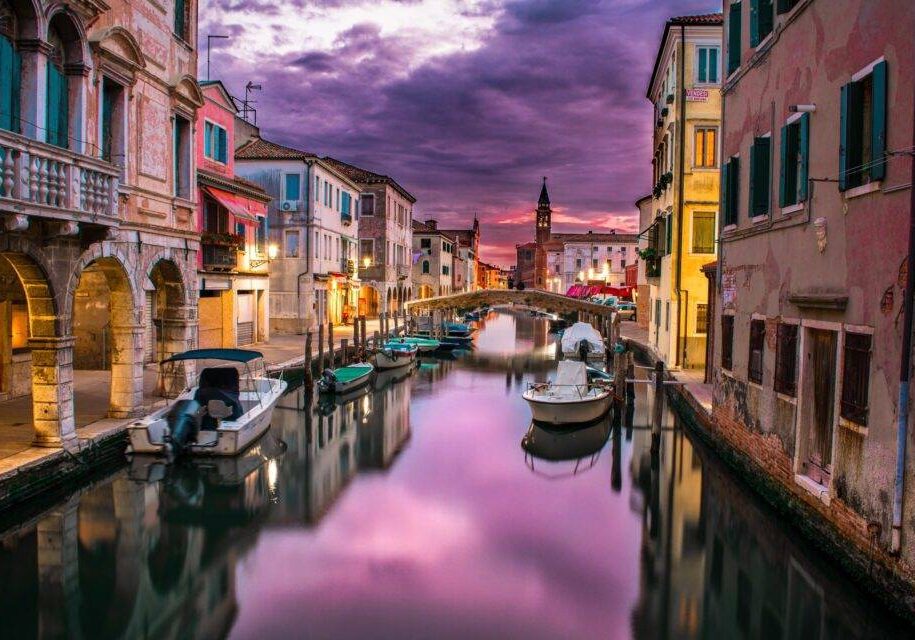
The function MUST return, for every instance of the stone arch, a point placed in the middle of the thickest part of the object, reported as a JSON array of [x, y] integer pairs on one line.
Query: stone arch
[[174, 320], [370, 300], [30, 22], [72, 31]]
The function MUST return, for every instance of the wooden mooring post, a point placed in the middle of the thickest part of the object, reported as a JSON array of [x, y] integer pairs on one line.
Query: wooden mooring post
[[356, 339], [307, 364], [320, 348], [344, 352], [330, 344], [364, 334], [658, 413]]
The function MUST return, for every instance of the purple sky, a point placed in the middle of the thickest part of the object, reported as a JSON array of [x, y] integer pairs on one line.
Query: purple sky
[[465, 102]]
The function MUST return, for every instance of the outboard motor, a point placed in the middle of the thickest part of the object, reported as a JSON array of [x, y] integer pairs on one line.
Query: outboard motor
[[583, 349], [183, 424], [327, 381]]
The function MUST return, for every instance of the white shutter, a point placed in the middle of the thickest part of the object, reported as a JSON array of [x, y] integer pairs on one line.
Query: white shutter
[[245, 318], [149, 343]]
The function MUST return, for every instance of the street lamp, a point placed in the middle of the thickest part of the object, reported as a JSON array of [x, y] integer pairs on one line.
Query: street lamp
[[273, 251], [366, 262]]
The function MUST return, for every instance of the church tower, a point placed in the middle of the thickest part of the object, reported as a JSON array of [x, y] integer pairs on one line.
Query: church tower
[[544, 215]]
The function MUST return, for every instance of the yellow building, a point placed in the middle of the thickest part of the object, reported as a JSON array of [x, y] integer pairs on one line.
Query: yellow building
[[682, 227]]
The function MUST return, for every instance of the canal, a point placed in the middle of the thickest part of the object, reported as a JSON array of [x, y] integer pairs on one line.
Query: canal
[[413, 511]]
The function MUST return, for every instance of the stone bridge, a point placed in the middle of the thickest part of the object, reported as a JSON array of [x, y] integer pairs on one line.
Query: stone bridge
[[552, 302]]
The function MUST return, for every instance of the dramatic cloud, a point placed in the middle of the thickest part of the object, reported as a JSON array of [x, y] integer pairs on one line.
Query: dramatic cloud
[[466, 103]]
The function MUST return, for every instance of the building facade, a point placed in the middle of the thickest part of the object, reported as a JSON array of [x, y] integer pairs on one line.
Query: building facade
[[313, 221], [234, 284], [643, 294], [385, 240], [815, 211], [98, 248], [466, 257], [592, 258], [434, 261], [685, 92]]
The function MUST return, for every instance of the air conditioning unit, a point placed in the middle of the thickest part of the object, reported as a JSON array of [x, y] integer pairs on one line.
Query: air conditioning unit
[[290, 205]]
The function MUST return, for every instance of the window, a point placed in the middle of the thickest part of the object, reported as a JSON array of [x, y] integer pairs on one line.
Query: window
[[761, 19], [367, 250], [792, 181], [703, 232], [182, 157], [667, 315], [578, 263], [701, 318], [181, 19], [594, 263], [345, 205], [730, 190], [862, 129], [622, 263], [669, 233], [293, 186], [705, 148], [10, 70], [727, 342], [367, 205], [317, 189], [425, 243], [784, 6], [759, 177], [757, 344], [216, 144], [292, 244], [707, 64], [786, 359], [445, 270], [111, 123], [58, 92], [260, 235], [734, 28], [216, 220], [855, 376]]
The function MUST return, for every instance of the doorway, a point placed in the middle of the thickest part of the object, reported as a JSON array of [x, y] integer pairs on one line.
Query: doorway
[[818, 407]]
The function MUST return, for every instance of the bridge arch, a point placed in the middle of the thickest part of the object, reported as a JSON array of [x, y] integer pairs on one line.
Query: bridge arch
[[551, 302]]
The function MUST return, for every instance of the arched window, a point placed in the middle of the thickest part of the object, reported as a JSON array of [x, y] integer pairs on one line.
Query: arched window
[[10, 70], [425, 266], [58, 106]]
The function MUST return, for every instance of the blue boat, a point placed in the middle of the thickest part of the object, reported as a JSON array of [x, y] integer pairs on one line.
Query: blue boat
[[457, 330]]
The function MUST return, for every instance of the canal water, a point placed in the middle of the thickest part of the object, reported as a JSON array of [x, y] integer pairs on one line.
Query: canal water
[[429, 507]]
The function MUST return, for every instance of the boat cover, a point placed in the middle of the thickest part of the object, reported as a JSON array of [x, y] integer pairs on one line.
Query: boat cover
[[578, 332], [572, 372], [350, 373], [230, 355]]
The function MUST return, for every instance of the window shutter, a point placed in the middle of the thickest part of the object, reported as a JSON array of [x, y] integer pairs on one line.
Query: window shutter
[[844, 96], [713, 64], [734, 188], [63, 117], [725, 212], [759, 177], [223, 145], [765, 18], [734, 37], [670, 235], [803, 151], [703, 64], [878, 122], [754, 25], [783, 170], [7, 84], [207, 140]]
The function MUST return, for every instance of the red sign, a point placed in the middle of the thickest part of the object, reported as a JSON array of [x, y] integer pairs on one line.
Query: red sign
[[697, 95]]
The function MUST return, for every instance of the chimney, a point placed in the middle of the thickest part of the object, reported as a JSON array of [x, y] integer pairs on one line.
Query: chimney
[[432, 224]]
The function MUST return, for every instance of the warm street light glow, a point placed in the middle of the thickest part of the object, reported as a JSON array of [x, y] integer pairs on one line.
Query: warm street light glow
[[581, 275], [366, 262], [273, 251]]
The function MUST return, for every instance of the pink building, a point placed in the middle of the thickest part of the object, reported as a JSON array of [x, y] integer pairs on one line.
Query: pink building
[[232, 219]]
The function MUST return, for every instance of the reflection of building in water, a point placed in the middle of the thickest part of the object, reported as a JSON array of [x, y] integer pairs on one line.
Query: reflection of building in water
[[385, 425], [130, 559]]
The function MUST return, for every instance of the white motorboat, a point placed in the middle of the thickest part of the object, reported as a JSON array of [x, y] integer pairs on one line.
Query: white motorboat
[[395, 355], [345, 379], [580, 338], [220, 416], [570, 399]]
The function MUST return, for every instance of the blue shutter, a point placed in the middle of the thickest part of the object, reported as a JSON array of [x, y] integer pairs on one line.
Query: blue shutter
[[752, 184], [713, 64], [878, 122], [734, 28], [9, 85], [57, 107], [754, 24], [783, 170], [734, 189], [208, 140], [844, 97], [804, 152], [703, 64], [223, 145]]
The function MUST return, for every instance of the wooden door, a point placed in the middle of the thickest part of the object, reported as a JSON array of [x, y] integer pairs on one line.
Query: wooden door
[[822, 367]]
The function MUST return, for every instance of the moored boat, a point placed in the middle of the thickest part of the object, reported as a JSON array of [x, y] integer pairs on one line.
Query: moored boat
[[457, 330], [219, 416], [422, 343], [570, 399], [394, 355], [582, 341], [345, 379]]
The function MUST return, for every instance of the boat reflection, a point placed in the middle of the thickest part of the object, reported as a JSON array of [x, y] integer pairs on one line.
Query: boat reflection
[[581, 447]]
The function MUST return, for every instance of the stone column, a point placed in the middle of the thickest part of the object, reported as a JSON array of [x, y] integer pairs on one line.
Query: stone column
[[58, 578], [52, 390], [34, 90], [126, 371]]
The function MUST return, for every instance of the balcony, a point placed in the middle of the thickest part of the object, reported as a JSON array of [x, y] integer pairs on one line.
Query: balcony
[[653, 267], [403, 271], [346, 219], [218, 257], [45, 181], [348, 267]]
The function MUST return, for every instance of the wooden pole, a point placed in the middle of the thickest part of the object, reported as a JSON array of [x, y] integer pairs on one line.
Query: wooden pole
[[378, 342], [320, 348], [344, 355], [658, 415], [356, 338], [308, 374], [364, 334], [330, 343], [396, 327]]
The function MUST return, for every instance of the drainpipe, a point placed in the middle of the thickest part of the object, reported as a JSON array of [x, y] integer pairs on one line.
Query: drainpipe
[[681, 120], [309, 211], [902, 412]]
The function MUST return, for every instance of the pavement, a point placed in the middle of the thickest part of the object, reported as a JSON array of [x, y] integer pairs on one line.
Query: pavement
[[692, 379]]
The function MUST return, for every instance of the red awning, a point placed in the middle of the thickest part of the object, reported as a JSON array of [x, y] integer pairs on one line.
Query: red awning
[[574, 291], [239, 206]]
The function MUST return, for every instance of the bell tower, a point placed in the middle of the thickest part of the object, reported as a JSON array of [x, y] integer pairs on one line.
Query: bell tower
[[544, 215]]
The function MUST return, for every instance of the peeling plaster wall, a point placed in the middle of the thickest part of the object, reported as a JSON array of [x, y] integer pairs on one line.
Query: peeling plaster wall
[[815, 50]]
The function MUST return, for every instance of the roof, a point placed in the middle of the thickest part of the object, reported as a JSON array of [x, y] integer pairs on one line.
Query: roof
[[544, 196], [236, 184], [364, 176], [260, 149], [596, 237], [422, 227], [699, 20], [231, 355]]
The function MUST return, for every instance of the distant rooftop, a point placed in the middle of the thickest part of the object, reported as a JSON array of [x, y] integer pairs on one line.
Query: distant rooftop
[[260, 149], [364, 176]]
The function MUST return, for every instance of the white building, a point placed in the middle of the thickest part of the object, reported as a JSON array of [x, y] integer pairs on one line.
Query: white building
[[577, 258]]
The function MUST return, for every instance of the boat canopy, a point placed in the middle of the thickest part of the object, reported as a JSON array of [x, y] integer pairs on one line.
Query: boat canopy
[[578, 332], [231, 355]]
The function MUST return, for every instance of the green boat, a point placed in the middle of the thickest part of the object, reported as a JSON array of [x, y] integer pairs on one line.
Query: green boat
[[345, 378], [424, 345]]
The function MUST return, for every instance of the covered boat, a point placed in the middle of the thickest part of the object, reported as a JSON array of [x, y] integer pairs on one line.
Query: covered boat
[[570, 399], [582, 338], [345, 379], [457, 330], [395, 355], [422, 343], [219, 416]]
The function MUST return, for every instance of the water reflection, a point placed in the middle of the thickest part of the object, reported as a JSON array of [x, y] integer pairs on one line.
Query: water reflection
[[405, 510]]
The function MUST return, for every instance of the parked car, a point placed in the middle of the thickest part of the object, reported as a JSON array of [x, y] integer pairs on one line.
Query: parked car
[[626, 310]]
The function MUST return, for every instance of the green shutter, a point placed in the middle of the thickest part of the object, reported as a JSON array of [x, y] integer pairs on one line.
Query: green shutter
[[844, 96], [57, 107], [804, 152], [765, 19], [734, 37], [670, 235], [180, 18], [754, 24], [223, 145], [713, 64], [783, 170], [207, 143], [703, 64], [734, 189], [784, 6], [725, 212], [878, 122], [9, 84]]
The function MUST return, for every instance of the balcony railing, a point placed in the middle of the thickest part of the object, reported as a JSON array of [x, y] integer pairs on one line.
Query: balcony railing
[[348, 267], [653, 267], [403, 271], [219, 257], [51, 182]]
